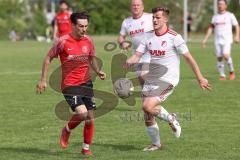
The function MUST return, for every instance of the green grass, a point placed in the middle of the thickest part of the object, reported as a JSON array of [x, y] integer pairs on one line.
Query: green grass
[[29, 128]]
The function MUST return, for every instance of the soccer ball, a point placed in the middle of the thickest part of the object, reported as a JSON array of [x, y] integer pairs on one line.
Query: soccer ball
[[123, 87]]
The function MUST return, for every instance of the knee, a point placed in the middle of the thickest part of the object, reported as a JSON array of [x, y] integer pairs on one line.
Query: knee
[[219, 59], [226, 57], [147, 108], [89, 121], [82, 112], [82, 115]]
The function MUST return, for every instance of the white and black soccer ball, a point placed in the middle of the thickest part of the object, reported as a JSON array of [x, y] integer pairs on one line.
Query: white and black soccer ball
[[123, 87]]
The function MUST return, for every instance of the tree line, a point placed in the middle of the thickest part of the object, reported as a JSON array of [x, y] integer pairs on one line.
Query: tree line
[[28, 17]]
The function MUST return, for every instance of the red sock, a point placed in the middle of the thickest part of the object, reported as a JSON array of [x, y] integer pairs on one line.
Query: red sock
[[74, 121], [88, 132]]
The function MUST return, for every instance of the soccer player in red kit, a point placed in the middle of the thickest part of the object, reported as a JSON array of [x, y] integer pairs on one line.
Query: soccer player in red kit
[[77, 54], [62, 22]]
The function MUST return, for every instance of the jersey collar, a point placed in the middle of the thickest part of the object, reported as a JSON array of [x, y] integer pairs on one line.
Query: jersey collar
[[138, 17], [157, 34]]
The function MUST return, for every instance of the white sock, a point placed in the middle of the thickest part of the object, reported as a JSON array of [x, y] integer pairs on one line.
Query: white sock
[[220, 66], [153, 132], [230, 64], [85, 146], [164, 115]]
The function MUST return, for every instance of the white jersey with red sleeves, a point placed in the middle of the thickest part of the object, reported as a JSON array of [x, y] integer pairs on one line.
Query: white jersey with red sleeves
[[222, 24], [165, 50], [74, 56], [136, 28]]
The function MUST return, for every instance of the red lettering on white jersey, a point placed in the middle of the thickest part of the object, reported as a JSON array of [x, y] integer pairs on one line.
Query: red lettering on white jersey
[[136, 31], [157, 52], [219, 23]]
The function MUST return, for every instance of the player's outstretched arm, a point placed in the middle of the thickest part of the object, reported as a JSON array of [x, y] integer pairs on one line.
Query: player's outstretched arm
[[208, 34], [95, 67], [135, 58], [203, 82], [237, 40], [42, 84], [122, 42], [55, 31]]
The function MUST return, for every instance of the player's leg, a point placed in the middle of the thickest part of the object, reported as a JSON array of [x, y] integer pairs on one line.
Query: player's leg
[[153, 132], [89, 122], [88, 133], [80, 113], [152, 106], [151, 125], [154, 94], [220, 62], [228, 58]]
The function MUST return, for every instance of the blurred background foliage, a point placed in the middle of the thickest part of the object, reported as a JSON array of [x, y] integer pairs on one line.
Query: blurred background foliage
[[28, 17]]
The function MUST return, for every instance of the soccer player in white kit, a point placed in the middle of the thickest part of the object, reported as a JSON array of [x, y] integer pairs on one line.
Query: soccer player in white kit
[[223, 37], [135, 26], [165, 47]]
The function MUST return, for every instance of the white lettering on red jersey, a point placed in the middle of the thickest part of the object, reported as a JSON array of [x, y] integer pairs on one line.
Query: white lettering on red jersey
[[63, 22], [165, 50], [222, 24], [74, 56]]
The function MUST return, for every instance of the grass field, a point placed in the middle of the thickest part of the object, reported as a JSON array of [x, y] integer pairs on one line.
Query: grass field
[[30, 129]]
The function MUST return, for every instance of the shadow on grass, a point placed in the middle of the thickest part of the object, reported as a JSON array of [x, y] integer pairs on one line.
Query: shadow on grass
[[11, 151], [117, 147]]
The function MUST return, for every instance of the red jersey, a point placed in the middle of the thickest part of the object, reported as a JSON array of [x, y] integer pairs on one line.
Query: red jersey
[[63, 22], [74, 56]]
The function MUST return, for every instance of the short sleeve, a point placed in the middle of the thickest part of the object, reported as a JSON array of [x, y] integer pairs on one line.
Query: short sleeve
[[123, 30], [92, 51], [180, 45], [142, 48], [56, 49], [234, 20], [212, 22]]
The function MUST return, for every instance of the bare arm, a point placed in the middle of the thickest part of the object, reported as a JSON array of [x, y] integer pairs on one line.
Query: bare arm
[[237, 34], [55, 31], [203, 83], [124, 45], [42, 83], [208, 34], [95, 66], [135, 58]]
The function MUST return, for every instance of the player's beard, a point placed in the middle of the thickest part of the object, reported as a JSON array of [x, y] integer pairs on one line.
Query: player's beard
[[79, 34]]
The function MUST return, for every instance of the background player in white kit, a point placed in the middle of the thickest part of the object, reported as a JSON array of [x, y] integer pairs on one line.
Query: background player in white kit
[[135, 26], [165, 47], [223, 37]]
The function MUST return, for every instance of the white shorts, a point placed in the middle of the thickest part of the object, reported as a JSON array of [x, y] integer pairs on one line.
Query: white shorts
[[222, 49], [161, 90]]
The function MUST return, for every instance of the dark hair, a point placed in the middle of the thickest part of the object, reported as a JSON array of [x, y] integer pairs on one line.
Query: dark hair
[[65, 2], [165, 10], [79, 15]]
